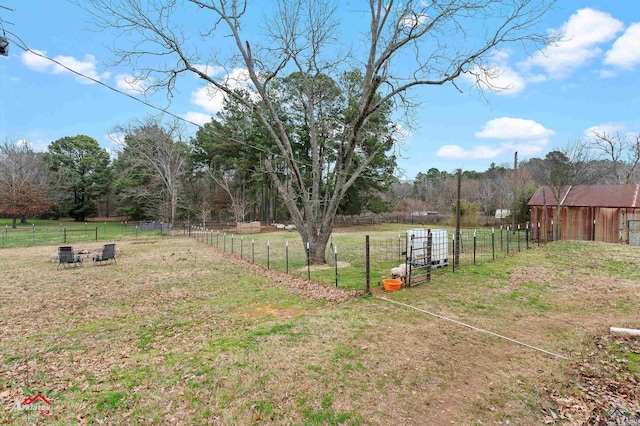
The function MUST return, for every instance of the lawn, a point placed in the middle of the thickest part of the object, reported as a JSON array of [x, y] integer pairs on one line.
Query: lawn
[[179, 332], [283, 251], [39, 232]]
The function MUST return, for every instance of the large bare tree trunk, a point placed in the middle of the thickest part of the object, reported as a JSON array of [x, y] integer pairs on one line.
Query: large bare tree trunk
[[437, 41]]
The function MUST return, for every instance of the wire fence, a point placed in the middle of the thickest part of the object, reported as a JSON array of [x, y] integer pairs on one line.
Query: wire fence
[[63, 234], [358, 263]]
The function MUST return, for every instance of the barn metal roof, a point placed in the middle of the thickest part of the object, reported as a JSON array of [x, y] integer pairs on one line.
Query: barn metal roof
[[590, 196]]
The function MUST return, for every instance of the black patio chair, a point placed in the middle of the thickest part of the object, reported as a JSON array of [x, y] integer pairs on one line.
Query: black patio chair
[[108, 254], [66, 257]]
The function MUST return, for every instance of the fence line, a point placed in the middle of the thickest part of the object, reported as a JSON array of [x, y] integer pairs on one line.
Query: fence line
[[355, 264], [67, 235]]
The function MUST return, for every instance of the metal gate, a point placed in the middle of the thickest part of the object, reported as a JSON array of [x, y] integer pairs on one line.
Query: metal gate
[[634, 232], [426, 250]]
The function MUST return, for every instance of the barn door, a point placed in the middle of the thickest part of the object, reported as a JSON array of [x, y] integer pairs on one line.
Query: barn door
[[634, 232]]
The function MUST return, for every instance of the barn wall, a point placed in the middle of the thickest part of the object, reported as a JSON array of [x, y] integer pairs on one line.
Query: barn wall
[[577, 223], [608, 225]]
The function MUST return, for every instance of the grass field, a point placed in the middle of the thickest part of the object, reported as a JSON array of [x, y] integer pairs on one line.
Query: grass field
[[178, 332], [39, 232], [283, 251]]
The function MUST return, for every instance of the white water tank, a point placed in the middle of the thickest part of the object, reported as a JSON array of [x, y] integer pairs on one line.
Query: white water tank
[[417, 247]]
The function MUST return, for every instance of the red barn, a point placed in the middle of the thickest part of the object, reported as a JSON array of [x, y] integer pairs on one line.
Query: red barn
[[609, 213]]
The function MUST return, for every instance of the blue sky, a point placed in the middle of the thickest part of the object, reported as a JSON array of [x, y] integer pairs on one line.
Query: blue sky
[[589, 82]]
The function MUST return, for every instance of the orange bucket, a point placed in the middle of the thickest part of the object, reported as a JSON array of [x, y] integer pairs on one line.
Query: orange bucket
[[392, 284]]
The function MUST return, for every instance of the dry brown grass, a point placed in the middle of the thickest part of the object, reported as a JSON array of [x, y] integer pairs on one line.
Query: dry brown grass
[[179, 333]]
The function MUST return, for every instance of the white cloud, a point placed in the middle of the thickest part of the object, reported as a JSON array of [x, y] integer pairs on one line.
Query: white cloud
[[35, 62], [115, 138], [36, 146], [131, 84], [513, 128], [606, 128], [499, 77], [211, 99], [210, 70], [401, 133], [86, 67], [197, 117], [579, 37], [413, 21], [625, 52], [208, 98], [24, 143], [527, 137]]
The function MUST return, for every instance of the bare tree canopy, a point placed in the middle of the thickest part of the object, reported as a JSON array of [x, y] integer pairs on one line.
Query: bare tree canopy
[[149, 147], [401, 45], [621, 152], [23, 181]]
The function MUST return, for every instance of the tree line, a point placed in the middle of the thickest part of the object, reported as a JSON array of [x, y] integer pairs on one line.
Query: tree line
[[601, 158], [217, 174]]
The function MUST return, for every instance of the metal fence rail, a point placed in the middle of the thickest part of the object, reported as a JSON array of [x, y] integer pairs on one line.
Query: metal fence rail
[[68, 235], [357, 264]]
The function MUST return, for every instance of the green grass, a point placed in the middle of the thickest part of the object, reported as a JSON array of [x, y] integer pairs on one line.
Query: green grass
[[283, 251], [43, 232], [630, 358], [177, 330]]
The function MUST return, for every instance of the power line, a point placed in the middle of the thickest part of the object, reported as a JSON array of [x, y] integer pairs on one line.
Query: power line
[[22, 45], [78, 73]]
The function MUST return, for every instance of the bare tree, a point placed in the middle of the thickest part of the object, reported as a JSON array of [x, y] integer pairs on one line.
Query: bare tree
[[224, 179], [152, 147], [204, 211], [622, 154], [562, 170], [436, 41], [23, 181]]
